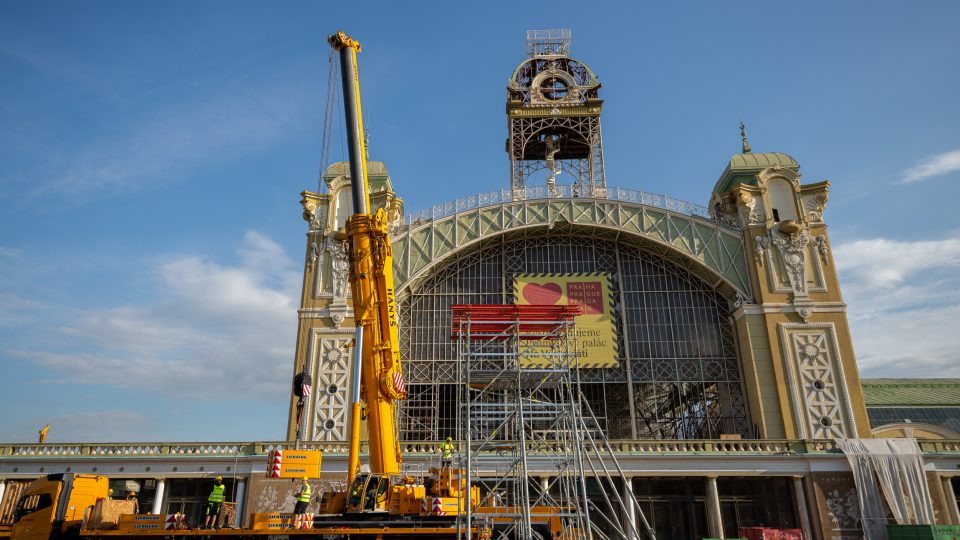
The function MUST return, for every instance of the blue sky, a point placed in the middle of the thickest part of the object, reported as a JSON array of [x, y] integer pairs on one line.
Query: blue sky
[[152, 153]]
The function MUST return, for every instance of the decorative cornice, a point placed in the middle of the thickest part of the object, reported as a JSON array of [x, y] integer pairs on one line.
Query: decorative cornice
[[554, 110]]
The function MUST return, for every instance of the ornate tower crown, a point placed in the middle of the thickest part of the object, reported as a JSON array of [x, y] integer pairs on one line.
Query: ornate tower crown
[[553, 118]]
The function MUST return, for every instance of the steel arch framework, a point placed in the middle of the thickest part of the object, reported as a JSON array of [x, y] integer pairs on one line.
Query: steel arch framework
[[713, 251], [678, 375]]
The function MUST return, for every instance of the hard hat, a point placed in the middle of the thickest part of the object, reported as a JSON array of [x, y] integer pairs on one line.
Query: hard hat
[[219, 479], [305, 478], [449, 438]]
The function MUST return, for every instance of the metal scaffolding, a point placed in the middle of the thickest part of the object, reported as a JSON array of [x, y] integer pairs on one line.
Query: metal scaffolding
[[519, 403]]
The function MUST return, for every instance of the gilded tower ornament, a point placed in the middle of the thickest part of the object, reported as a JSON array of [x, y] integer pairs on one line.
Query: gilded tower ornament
[[553, 112], [745, 146]]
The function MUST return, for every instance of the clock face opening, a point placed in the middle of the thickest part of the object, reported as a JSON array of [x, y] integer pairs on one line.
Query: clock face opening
[[554, 88]]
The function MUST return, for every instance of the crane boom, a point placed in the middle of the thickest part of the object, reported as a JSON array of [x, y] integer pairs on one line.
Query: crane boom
[[380, 379]]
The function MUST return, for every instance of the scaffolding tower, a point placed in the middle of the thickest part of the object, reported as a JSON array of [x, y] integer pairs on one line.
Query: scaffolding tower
[[519, 403]]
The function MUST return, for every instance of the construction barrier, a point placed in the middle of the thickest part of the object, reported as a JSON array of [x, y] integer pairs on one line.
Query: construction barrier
[[294, 463], [151, 522], [770, 533]]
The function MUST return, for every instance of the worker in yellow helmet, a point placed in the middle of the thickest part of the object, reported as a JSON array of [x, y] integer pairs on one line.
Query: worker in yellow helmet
[[214, 504], [303, 500], [446, 452]]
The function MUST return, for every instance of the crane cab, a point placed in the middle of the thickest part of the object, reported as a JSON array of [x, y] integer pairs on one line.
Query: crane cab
[[368, 493]]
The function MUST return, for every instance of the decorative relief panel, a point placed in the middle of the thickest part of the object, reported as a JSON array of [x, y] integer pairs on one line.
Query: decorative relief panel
[[330, 358], [814, 204], [331, 278], [752, 210], [340, 269], [794, 262], [818, 387], [791, 249]]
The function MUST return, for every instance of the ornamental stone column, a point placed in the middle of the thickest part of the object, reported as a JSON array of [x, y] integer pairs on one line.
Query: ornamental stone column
[[238, 503], [158, 497], [714, 518], [802, 512]]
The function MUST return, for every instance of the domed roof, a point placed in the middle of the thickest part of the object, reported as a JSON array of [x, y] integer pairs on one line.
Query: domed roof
[[743, 168], [342, 168], [762, 161], [377, 175]]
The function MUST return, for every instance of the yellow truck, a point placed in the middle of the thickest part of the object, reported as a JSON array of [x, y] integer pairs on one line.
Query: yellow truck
[[65, 506], [69, 507]]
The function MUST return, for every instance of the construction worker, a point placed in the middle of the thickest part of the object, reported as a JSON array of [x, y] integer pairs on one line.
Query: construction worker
[[303, 500], [446, 452], [132, 496], [214, 504]]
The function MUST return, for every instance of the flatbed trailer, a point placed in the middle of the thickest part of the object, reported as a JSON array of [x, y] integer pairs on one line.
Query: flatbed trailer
[[393, 530]]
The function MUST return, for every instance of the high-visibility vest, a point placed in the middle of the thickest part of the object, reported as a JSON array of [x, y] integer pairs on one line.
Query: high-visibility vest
[[447, 449], [216, 496], [304, 495]]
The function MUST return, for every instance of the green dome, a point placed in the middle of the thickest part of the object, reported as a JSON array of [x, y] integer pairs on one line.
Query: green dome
[[743, 168], [377, 175]]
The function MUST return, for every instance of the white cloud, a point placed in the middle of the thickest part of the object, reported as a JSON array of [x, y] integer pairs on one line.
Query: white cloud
[[886, 263], [177, 140], [15, 309], [214, 326], [903, 305], [151, 134], [12, 253], [937, 165], [912, 343]]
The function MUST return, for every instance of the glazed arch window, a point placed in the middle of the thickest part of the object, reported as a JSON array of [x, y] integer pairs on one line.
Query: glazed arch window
[[344, 206], [780, 193]]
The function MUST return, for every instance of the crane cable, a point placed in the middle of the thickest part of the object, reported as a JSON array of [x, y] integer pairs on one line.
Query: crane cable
[[330, 115]]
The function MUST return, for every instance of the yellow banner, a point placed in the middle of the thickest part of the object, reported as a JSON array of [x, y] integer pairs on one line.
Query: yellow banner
[[596, 340]]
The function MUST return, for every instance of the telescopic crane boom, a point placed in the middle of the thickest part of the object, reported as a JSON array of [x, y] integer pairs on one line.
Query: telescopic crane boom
[[378, 378]]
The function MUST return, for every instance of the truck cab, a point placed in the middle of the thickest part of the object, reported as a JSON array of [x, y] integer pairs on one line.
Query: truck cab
[[54, 507]]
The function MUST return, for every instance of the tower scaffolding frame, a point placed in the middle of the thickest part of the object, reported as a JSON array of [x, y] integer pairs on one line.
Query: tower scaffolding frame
[[519, 402]]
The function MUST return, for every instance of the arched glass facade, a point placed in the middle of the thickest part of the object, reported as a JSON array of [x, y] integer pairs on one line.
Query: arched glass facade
[[677, 375]]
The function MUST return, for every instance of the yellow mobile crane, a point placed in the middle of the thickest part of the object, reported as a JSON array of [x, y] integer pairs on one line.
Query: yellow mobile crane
[[377, 374], [378, 378]]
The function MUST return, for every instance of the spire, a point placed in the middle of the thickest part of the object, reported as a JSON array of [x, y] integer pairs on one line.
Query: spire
[[743, 135]]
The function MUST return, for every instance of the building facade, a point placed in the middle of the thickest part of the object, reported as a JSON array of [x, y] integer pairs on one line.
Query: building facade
[[725, 320]]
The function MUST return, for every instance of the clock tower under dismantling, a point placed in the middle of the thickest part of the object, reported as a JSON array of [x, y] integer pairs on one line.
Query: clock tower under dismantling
[[553, 119]]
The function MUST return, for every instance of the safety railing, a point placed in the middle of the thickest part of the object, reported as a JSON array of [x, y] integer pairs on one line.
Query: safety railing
[[501, 196], [412, 448]]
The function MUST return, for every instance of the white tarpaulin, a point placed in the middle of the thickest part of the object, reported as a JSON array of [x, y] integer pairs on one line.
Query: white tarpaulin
[[893, 467]]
